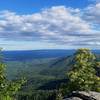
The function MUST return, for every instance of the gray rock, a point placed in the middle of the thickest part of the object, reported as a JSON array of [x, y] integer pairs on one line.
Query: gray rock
[[73, 98], [82, 95], [91, 94]]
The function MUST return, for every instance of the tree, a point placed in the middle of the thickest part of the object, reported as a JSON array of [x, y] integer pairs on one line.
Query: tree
[[7, 89], [83, 76]]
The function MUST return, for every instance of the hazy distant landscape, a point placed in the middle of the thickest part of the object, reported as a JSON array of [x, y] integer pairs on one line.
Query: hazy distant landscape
[[25, 55]]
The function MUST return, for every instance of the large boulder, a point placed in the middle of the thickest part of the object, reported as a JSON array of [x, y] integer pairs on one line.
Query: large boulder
[[82, 95]]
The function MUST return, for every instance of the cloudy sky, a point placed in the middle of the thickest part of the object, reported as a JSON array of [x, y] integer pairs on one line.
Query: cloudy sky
[[49, 24]]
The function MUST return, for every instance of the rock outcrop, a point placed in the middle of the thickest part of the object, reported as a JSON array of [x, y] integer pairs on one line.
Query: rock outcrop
[[81, 95]]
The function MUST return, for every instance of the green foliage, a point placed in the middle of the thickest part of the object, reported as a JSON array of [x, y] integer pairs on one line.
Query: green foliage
[[59, 95], [38, 71], [83, 75], [38, 95], [7, 89]]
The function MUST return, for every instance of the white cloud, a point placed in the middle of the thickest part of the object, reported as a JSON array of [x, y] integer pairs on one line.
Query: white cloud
[[59, 25], [92, 13]]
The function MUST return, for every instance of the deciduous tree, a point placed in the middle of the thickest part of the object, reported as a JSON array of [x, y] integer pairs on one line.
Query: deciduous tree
[[8, 88]]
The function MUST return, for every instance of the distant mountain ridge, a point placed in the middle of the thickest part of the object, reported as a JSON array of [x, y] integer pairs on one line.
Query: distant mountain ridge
[[35, 54]]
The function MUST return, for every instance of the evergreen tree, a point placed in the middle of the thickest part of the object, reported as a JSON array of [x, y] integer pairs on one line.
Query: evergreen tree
[[83, 76]]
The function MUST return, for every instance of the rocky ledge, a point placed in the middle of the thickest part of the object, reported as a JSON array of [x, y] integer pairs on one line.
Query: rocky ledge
[[81, 95]]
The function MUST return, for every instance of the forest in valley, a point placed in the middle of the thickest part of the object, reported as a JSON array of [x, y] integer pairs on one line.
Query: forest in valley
[[49, 78]]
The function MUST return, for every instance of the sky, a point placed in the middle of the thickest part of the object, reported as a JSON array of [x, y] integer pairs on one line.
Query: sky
[[49, 24]]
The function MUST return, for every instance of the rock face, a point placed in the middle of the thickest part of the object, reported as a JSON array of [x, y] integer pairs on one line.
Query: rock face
[[81, 95], [73, 98]]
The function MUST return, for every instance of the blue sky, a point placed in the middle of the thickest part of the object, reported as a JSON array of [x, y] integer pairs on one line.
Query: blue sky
[[49, 24], [31, 6]]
